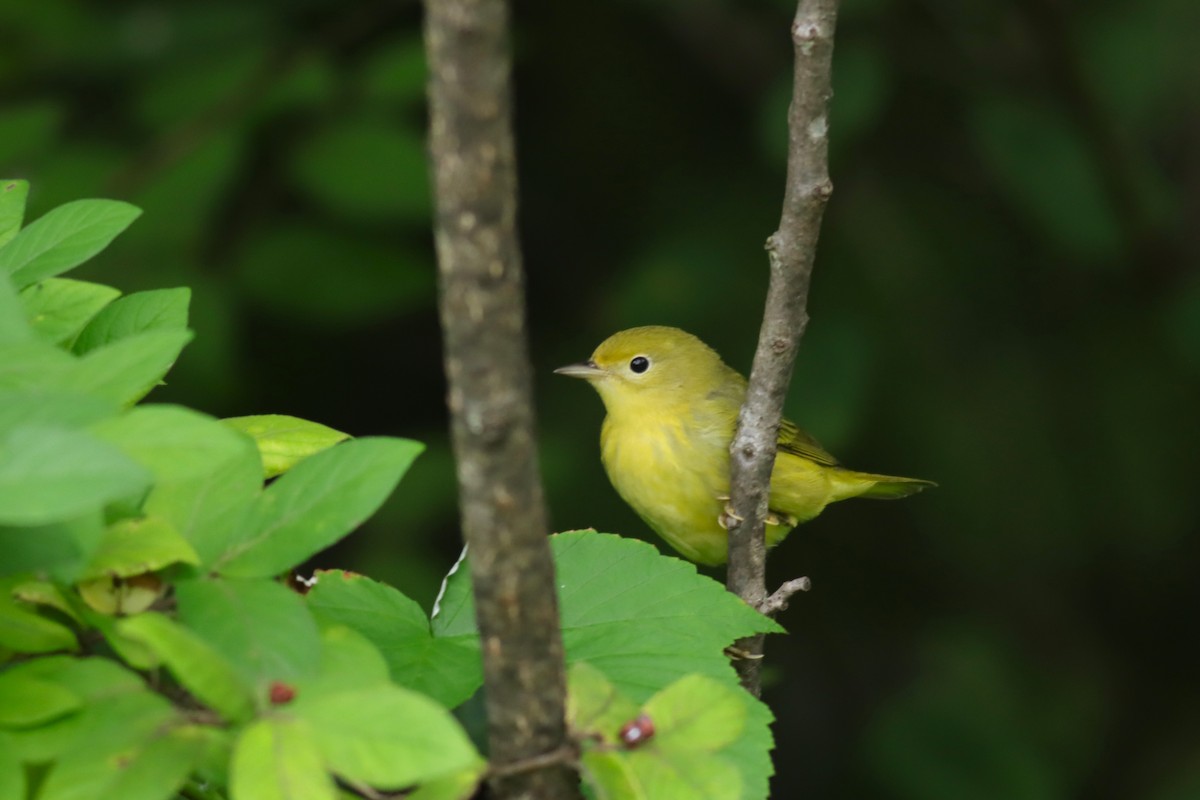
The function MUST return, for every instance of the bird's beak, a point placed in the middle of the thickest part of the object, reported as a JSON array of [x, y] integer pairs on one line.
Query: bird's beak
[[586, 370]]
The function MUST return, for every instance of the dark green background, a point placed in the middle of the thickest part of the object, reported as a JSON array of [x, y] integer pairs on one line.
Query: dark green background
[[1006, 301]]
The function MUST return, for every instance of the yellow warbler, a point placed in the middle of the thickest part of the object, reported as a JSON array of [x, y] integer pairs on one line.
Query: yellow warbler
[[672, 408]]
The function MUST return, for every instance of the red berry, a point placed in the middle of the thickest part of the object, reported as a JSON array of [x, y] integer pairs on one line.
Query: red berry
[[281, 693], [637, 732]]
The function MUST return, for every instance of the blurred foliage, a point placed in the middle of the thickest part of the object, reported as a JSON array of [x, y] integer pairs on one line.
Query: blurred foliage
[[1006, 300]]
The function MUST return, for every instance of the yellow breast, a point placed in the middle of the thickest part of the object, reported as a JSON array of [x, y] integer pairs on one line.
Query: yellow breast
[[677, 480], [673, 479]]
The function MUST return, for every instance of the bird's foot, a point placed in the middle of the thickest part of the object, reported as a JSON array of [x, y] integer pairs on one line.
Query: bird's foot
[[728, 516], [776, 518], [738, 654]]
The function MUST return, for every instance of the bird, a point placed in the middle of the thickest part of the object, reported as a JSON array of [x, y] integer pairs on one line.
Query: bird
[[671, 411]]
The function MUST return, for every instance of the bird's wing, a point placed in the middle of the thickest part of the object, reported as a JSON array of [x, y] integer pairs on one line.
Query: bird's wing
[[791, 439], [797, 442]]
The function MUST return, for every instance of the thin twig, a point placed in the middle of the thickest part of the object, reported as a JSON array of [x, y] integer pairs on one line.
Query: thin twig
[[778, 601], [490, 394], [791, 250], [566, 754]]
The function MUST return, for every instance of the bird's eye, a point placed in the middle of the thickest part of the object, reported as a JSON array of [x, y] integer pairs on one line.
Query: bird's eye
[[639, 364]]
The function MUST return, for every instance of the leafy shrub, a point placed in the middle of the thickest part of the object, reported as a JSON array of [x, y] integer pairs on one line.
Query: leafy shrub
[[149, 648]]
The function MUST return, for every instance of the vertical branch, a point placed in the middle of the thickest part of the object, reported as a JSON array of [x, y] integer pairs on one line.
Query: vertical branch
[[490, 396], [791, 250]]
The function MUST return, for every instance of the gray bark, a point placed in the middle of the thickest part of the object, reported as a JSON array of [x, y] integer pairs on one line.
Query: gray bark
[[490, 397], [791, 250]]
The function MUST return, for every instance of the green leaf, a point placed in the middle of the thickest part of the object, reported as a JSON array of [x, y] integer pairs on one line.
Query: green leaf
[[13, 194], [264, 629], [26, 700], [686, 730], [385, 736], [40, 592], [347, 659], [159, 767], [594, 705], [51, 475], [27, 631], [57, 548], [33, 365], [283, 441], [125, 370], [461, 785], [277, 759], [35, 407], [123, 747], [685, 776], [134, 653], [696, 713], [64, 238], [59, 308], [135, 546], [644, 620], [315, 504], [751, 754], [205, 475], [208, 510], [610, 777], [160, 309], [201, 670], [176, 444], [12, 772], [95, 680], [13, 327], [447, 670], [212, 769]]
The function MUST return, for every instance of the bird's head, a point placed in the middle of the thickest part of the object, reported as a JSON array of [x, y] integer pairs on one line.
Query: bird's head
[[642, 368]]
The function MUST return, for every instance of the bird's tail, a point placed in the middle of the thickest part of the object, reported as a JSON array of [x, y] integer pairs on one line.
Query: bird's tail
[[847, 484]]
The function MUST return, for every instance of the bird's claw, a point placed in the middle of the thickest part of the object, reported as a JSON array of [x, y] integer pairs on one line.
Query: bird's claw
[[727, 516], [776, 518], [738, 654], [772, 518]]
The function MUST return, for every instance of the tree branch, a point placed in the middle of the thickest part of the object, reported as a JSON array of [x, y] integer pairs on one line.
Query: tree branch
[[490, 394], [791, 250]]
